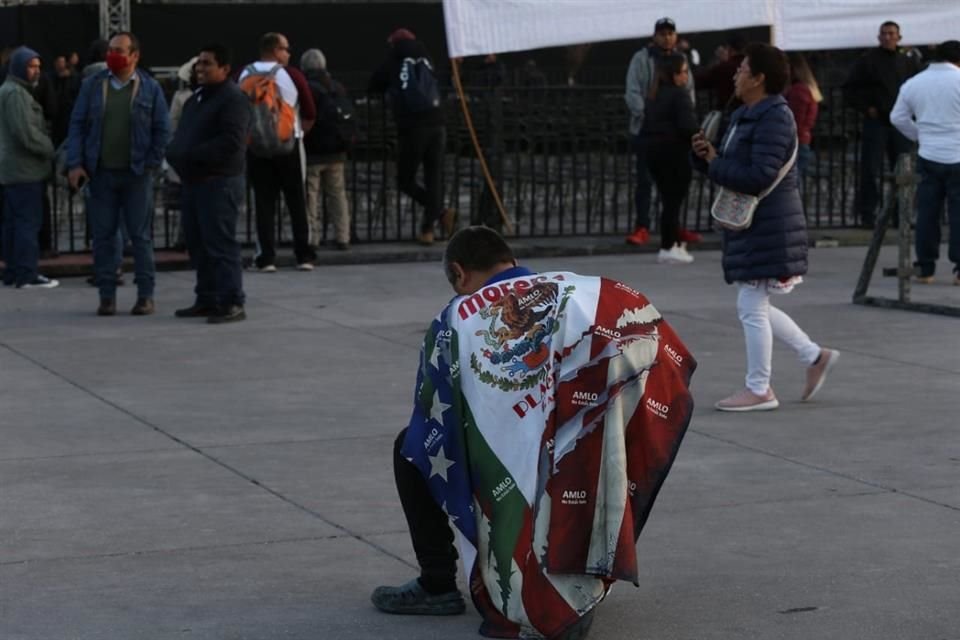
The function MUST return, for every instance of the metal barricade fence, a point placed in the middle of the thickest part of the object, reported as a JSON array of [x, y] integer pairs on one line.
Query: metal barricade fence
[[562, 157]]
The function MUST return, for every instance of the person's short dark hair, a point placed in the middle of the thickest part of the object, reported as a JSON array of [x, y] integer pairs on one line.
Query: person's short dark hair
[[134, 40], [772, 63], [476, 249], [948, 51], [269, 41], [890, 23], [220, 53]]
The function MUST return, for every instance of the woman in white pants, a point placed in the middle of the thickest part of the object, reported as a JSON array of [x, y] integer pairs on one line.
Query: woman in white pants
[[768, 258]]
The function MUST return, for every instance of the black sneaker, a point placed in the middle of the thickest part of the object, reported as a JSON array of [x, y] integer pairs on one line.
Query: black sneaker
[[412, 599], [232, 313], [196, 311], [40, 282]]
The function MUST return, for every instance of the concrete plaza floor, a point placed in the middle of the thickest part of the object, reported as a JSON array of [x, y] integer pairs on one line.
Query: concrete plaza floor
[[162, 478]]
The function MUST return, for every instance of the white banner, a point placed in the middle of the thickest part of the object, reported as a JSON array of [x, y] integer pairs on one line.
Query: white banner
[[840, 24], [476, 27]]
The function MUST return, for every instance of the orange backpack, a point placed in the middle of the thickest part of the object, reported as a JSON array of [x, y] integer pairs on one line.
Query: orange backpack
[[274, 121]]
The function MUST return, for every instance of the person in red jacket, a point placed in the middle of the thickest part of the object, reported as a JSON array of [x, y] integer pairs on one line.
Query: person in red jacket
[[803, 97]]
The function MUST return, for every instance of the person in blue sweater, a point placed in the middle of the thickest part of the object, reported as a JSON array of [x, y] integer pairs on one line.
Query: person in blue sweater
[[770, 256]]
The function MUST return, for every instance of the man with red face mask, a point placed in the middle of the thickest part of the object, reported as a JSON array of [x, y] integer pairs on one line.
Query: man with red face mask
[[118, 133]]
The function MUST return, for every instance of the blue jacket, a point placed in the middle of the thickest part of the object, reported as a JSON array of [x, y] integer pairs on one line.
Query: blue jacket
[[775, 245], [149, 126]]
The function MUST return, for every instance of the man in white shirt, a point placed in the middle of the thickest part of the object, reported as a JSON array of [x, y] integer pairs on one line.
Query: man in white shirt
[[285, 173], [928, 110]]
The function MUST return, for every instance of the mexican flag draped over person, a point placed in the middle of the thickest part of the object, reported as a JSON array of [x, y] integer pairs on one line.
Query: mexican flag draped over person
[[548, 411]]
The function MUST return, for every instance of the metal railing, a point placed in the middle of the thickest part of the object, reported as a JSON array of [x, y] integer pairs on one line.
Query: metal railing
[[562, 157]]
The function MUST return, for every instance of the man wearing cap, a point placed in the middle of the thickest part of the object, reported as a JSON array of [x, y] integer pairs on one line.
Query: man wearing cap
[[26, 153], [408, 80], [927, 110], [640, 77]]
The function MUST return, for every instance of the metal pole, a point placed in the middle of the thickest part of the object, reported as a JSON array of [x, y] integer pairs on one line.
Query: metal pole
[[114, 17]]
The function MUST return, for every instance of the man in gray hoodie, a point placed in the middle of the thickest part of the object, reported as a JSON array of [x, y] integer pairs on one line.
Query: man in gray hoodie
[[640, 77], [26, 155]]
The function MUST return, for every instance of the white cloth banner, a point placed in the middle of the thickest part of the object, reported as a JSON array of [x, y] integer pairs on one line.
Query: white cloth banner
[[476, 27]]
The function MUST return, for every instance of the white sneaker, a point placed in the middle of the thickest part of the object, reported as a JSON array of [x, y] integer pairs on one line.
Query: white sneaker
[[677, 254], [747, 400], [40, 282], [267, 268], [305, 266]]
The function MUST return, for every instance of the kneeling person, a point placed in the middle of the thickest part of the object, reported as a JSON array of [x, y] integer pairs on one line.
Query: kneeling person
[[548, 411], [208, 153]]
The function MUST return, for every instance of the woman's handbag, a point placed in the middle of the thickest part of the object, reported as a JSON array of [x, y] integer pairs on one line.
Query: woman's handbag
[[733, 210]]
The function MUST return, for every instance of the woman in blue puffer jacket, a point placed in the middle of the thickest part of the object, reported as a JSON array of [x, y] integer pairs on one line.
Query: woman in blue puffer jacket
[[769, 257]]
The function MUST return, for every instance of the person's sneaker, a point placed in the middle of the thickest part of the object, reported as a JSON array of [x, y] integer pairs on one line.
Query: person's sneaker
[[412, 599], [195, 311], [108, 307], [640, 235], [40, 282], [143, 307], [747, 400], [231, 313], [817, 372], [924, 279], [342, 246], [448, 222], [685, 235], [305, 266], [425, 238], [267, 268], [674, 255]]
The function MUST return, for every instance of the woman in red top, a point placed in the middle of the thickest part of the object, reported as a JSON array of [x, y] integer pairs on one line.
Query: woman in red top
[[803, 96]]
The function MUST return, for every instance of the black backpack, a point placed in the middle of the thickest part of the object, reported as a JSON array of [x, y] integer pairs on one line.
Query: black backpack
[[337, 111], [415, 88]]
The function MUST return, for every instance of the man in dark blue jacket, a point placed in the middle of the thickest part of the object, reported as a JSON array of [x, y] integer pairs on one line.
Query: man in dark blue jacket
[[208, 154], [119, 129]]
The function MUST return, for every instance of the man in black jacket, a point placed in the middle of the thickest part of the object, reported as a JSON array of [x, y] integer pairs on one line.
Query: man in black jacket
[[208, 154], [872, 90], [407, 77]]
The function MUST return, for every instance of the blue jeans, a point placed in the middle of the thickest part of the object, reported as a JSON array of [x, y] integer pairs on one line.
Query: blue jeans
[[22, 218], [115, 195], [210, 211], [644, 185], [879, 139], [938, 182]]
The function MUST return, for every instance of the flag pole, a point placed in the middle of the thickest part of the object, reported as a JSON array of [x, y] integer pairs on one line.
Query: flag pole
[[476, 146]]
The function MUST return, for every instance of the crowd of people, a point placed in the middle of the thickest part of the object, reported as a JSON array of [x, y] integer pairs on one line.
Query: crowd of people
[[310, 169], [289, 133]]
